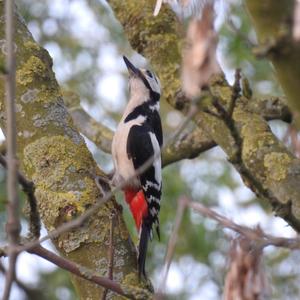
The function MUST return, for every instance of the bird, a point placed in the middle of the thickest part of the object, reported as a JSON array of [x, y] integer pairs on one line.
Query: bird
[[137, 141]]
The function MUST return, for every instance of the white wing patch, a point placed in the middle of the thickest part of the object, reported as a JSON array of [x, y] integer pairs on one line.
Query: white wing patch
[[157, 160]]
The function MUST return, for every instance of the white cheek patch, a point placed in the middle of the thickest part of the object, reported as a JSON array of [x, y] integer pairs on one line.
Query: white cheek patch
[[155, 85]]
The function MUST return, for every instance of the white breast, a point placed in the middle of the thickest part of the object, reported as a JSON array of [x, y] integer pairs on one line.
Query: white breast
[[124, 169]]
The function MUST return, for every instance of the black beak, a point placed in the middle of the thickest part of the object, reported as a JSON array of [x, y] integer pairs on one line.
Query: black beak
[[133, 71]]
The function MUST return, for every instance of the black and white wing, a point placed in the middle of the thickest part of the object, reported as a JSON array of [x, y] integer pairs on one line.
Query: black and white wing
[[142, 144]]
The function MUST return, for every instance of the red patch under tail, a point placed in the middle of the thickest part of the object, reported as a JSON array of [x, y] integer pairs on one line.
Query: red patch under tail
[[138, 205]]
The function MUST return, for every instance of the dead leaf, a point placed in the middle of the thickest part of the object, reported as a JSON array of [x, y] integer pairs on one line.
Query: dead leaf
[[199, 56], [296, 27], [246, 279]]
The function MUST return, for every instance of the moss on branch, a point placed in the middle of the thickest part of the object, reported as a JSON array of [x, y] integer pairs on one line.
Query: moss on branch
[[54, 156], [154, 37], [273, 22], [261, 150]]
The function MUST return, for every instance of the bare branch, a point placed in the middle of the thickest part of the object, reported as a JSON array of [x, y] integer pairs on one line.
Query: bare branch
[[261, 238], [89, 127], [187, 146], [13, 222], [78, 270], [28, 188], [31, 293], [182, 202]]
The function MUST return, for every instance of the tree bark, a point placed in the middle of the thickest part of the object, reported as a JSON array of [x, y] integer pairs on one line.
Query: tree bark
[[54, 156], [265, 164], [273, 22]]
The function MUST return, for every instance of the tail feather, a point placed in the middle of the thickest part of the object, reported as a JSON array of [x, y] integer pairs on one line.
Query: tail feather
[[144, 221], [158, 231], [143, 245]]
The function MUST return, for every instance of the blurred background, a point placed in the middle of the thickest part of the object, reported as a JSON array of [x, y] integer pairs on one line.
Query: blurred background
[[86, 43]]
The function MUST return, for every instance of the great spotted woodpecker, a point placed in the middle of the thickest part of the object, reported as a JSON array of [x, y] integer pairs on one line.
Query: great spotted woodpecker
[[139, 138]]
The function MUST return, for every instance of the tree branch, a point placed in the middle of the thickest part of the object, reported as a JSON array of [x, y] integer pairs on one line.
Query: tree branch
[[273, 24], [99, 134], [261, 238], [188, 146], [13, 226], [181, 206], [54, 156], [263, 155], [31, 293], [78, 270], [28, 188]]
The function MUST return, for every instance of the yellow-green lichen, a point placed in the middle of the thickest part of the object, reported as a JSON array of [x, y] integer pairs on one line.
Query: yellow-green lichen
[[146, 34], [61, 154], [277, 165], [32, 46], [255, 133], [32, 69], [50, 205], [140, 290], [61, 171]]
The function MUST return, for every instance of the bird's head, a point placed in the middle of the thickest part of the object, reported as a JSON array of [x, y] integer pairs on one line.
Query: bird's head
[[143, 80]]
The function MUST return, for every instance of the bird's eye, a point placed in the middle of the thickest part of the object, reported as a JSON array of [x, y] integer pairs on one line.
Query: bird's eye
[[149, 73]]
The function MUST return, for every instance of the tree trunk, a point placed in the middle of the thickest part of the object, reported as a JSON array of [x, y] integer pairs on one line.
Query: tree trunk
[[54, 156]]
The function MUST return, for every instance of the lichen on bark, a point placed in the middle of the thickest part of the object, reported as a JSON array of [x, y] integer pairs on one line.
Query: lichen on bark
[[273, 24], [54, 156], [258, 142]]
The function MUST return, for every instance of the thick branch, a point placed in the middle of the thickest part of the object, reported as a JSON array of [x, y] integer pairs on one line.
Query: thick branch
[[77, 270], [188, 146], [54, 156], [93, 130], [273, 22], [264, 163], [264, 157]]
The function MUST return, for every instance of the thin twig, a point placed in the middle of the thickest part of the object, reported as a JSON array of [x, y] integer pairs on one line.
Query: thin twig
[[236, 91], [13, 222], [236, 157], [182, 203], [262, 238], [31, 293], [111, 251], [29, 189], [77, 269]]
